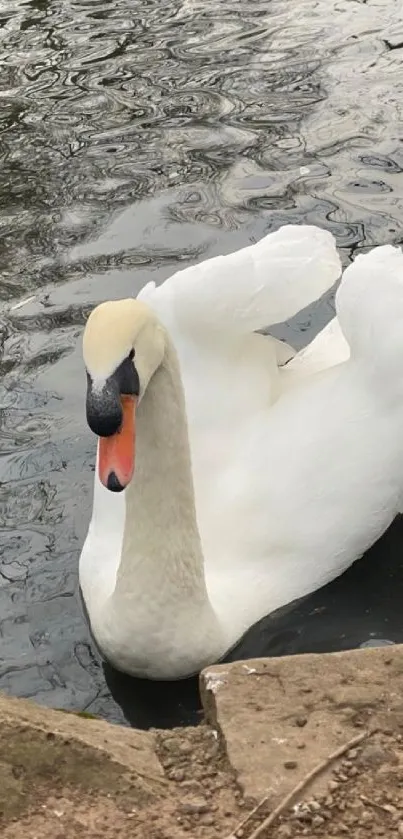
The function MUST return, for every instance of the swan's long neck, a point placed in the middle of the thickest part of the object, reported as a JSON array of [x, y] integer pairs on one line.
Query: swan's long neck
[[161, 541], [160, 594]]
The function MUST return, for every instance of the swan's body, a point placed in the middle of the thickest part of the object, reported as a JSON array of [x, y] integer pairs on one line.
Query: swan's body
[[302, 485]]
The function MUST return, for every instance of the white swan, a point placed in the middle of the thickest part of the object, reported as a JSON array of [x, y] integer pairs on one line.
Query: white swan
[[312, 481]]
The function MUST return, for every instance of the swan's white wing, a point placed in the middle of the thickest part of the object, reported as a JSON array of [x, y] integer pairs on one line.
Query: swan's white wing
[[211, 311], [317, 478], [369, 305], [254, 287]]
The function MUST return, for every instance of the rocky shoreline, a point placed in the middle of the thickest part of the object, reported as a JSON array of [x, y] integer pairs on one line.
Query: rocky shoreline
[[299, 746]]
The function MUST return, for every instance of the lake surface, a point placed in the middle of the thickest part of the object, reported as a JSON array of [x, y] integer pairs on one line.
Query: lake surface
[[136, 137]]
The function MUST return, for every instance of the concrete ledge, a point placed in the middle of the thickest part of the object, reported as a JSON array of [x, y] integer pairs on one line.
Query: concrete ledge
[[270, 723], [279, 718], [40, 748]]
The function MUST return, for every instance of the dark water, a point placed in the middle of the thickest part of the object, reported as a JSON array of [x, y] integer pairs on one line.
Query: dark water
[[136, 137]]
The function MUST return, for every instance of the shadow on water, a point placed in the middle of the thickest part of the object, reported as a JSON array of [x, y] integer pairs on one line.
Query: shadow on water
[[160, 704], [137, 137]]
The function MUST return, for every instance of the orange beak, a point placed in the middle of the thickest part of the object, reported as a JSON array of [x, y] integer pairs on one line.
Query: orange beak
[[117, 453]]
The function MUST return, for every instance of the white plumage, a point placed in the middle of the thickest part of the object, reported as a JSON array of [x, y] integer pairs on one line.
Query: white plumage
[[297, 470]]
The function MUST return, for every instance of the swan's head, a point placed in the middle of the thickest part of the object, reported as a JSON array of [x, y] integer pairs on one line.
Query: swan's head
[[123, 345]]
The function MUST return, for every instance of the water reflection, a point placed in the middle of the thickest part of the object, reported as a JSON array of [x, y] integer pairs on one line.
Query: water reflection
[[136, 137]]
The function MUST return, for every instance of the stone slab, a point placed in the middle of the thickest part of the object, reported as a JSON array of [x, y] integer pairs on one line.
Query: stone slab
[[280, 717], [44, 748]]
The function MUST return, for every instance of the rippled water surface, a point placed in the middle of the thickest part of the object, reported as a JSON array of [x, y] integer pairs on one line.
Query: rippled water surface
[[136, 136]]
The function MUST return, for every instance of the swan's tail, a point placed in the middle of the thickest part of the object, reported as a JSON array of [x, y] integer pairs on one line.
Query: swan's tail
[[254, 287], [369, 304]]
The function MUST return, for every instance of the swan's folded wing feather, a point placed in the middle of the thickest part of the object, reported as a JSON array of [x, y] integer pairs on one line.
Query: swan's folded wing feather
[[369, 305], [262, 284]]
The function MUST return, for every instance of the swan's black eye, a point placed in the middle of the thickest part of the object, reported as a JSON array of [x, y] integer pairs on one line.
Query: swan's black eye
[[131, 355]]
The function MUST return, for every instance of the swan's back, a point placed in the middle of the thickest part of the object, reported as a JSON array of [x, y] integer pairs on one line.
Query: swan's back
[[317, 478]]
